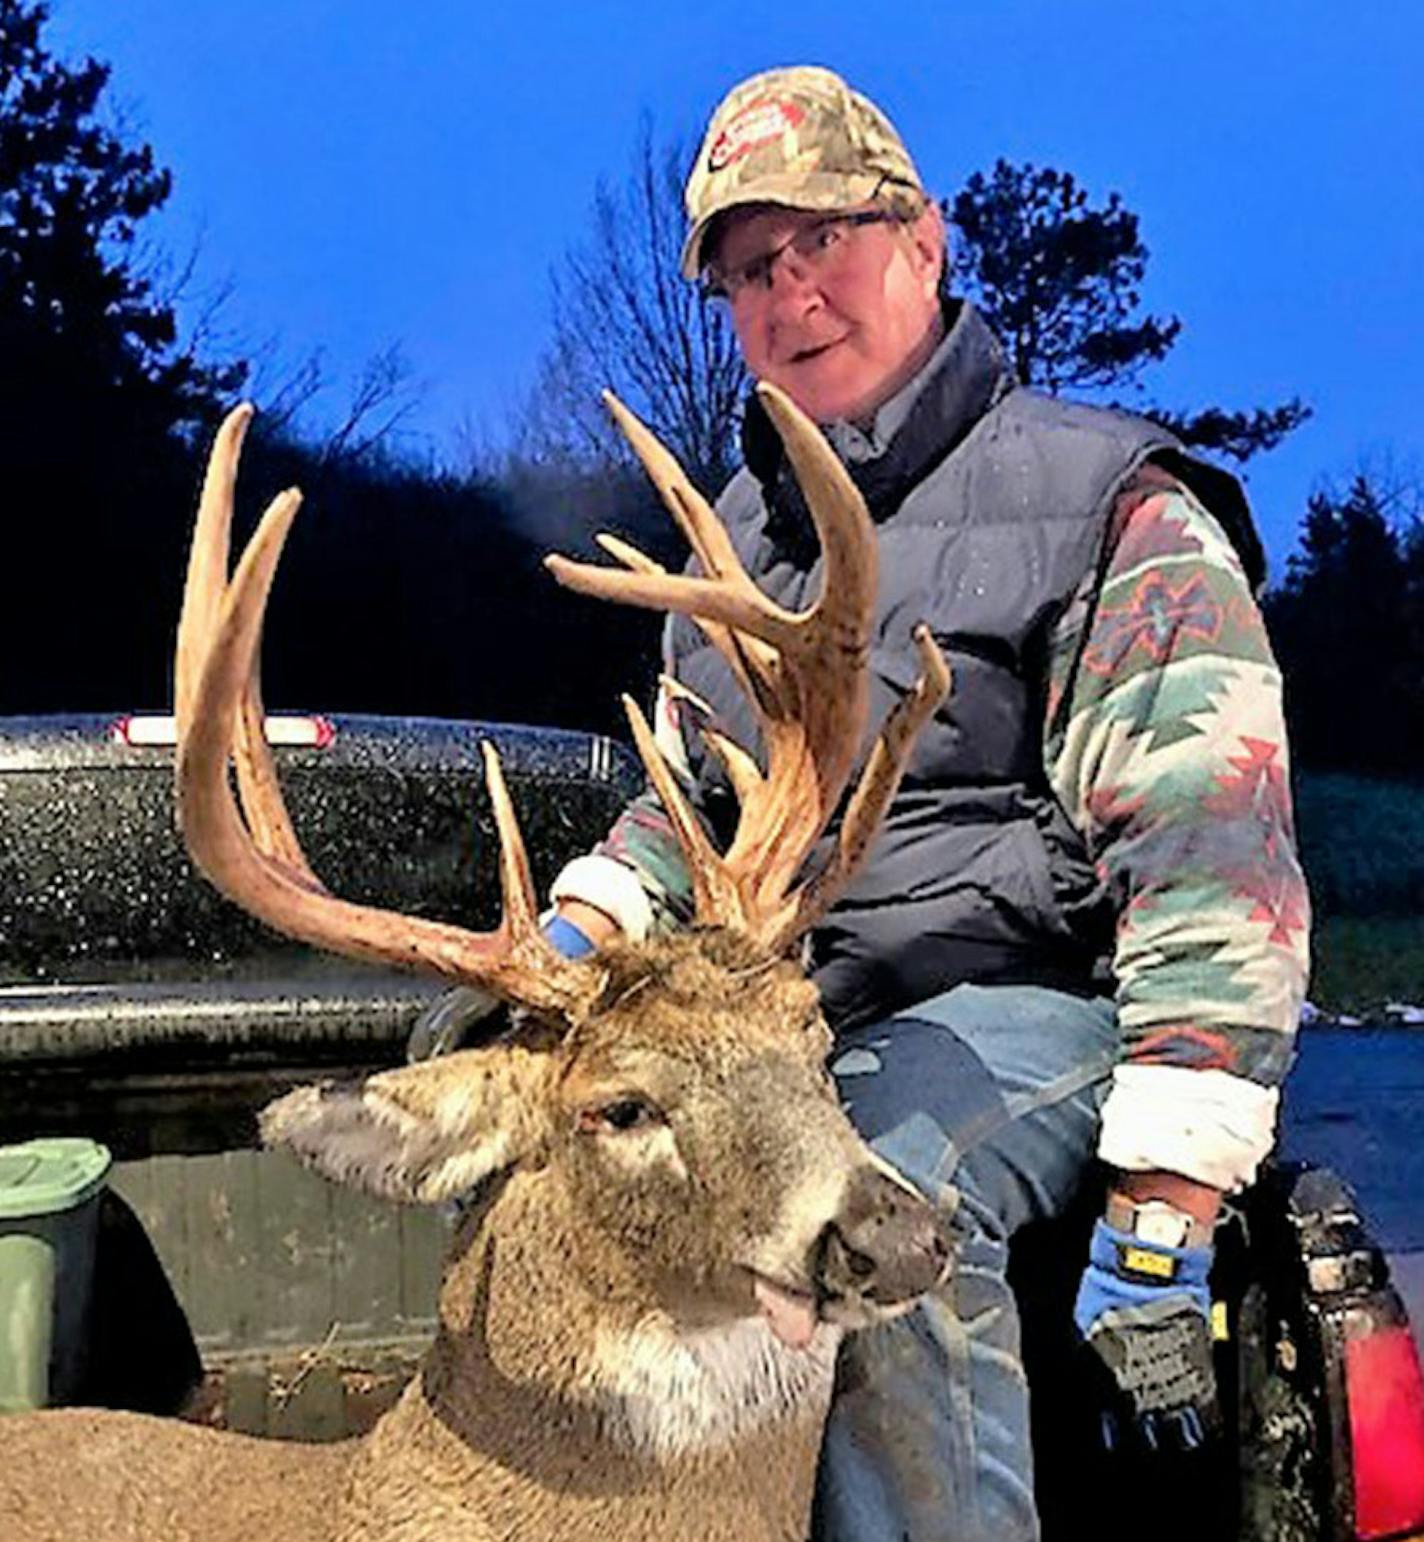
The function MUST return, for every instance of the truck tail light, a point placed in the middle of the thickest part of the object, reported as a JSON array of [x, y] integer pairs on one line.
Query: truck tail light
[[1370, 1393], [1384, 1389], [309, 731]]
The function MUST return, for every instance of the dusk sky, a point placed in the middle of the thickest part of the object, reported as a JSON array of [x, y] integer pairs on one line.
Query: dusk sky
[[362, 173]]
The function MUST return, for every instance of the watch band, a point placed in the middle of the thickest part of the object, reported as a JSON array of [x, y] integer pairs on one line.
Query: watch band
[[1157, 1222]]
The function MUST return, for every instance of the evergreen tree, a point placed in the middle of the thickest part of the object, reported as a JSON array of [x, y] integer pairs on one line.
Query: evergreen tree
[[98, 399], [1349, 631], [1055, 279], [72, 196], [1059, 280]]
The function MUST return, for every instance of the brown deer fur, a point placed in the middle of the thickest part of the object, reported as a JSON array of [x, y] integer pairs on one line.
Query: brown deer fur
[[600, 1369]]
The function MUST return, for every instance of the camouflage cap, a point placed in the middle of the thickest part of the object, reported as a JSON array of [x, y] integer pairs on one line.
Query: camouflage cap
[[799, 137]]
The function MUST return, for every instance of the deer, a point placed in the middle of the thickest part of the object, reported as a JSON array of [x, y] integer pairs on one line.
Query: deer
[[668, 1221]]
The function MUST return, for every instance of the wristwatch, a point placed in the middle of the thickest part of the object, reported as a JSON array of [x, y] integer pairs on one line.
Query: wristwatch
[[1156, 1222]]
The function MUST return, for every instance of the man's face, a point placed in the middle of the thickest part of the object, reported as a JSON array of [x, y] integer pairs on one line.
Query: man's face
[[841, 333]]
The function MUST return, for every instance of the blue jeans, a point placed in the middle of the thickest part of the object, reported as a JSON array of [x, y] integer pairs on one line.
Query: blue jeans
[[995, 1091]]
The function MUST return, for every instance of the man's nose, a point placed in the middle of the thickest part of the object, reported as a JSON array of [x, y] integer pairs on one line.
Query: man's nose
[[794, 289]]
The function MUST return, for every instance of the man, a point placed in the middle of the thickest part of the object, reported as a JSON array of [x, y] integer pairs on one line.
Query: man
[[1100, 808]]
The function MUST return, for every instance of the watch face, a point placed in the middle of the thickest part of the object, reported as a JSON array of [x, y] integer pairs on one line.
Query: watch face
[[1158, 1222]]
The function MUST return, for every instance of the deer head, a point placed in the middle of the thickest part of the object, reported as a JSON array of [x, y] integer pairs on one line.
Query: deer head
[[658, 1130]]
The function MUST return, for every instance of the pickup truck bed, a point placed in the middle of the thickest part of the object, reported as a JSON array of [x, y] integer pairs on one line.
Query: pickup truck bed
[[139, 1008]]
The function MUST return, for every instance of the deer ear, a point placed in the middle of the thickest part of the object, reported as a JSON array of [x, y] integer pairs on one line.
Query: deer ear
[[423, 1133]]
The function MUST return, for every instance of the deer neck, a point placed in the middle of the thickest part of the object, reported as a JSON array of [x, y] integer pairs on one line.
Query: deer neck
[[558, 1382]]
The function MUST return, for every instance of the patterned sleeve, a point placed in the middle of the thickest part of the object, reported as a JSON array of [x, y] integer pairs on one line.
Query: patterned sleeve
[[1166, 746]]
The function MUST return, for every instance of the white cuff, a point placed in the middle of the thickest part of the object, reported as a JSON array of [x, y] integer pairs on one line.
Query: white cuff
[[667, 732], [610, 886], [1207, 1125]]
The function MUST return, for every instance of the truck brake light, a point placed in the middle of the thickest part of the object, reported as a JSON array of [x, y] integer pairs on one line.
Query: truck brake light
[[309, 731], [1385, 1392]]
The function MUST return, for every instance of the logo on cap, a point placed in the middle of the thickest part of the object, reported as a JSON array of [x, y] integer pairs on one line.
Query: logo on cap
[[755, 125]]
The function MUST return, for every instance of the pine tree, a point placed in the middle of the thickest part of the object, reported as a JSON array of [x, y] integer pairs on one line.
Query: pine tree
[[98, 398], [1059, 281], [1348, 630]]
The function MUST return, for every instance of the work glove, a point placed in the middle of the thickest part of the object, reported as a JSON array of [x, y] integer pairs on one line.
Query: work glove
[[450, 1020], [1144, 1312]]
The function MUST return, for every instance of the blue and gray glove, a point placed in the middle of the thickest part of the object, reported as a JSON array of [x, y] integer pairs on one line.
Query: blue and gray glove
[[1144, 1310], [447, 1023]]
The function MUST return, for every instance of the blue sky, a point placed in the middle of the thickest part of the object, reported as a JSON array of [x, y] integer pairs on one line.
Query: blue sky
[[362, 173]]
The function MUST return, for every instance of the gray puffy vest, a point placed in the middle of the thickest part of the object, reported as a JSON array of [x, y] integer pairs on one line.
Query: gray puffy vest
[[991, 503]]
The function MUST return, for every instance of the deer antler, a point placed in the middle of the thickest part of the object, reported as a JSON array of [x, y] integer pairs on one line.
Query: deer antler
[[252, 853], [804, 673]]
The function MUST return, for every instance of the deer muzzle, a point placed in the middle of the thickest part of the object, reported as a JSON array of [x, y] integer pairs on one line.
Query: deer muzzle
[[884, 1248]]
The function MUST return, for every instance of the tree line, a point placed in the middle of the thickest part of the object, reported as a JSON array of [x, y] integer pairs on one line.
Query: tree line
[[418, 588]]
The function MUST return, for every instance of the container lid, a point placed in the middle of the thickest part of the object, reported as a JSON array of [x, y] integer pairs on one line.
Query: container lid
[[40, 1177]]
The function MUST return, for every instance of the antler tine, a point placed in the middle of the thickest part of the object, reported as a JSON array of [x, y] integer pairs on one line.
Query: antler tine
[[725, 600], [725, 596], [878, 784], [695, 517], [515, 960], [202, 601], [748, 658], [519, 917], [714, 891], [841, 519], [258, 789], [804, 673], [207, 560]]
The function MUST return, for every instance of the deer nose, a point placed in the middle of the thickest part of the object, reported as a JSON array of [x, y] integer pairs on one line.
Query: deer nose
[[886, 1246]]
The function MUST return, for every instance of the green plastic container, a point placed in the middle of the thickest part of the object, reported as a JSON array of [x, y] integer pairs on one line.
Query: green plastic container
[[49, 1214]]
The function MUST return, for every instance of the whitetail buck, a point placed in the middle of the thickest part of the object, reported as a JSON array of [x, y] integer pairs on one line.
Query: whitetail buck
[[671, 1218]]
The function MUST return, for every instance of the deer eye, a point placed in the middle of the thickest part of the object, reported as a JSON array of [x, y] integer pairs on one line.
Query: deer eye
[[621, 1115]]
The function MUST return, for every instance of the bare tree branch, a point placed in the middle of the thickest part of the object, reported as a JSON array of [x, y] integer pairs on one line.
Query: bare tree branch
[[625, 318], [382, 398]]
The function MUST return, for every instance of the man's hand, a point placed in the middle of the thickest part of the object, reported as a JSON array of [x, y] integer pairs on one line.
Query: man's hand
[[1144, 1311]]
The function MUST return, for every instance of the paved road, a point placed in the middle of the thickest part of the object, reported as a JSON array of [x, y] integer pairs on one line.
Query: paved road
[[1355, 1102]]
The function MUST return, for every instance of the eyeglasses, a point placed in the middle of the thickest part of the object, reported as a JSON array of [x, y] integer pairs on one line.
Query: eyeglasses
[[818, 247]]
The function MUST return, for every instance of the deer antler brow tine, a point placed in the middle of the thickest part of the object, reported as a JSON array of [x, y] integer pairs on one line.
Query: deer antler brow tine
[[712, 599]]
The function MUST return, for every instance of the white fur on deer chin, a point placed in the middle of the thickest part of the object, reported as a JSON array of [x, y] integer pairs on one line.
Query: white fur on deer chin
[[668, 1394]]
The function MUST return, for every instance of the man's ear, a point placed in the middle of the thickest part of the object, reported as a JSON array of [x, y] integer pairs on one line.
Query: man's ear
[[423, 1133], [930, 242]]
